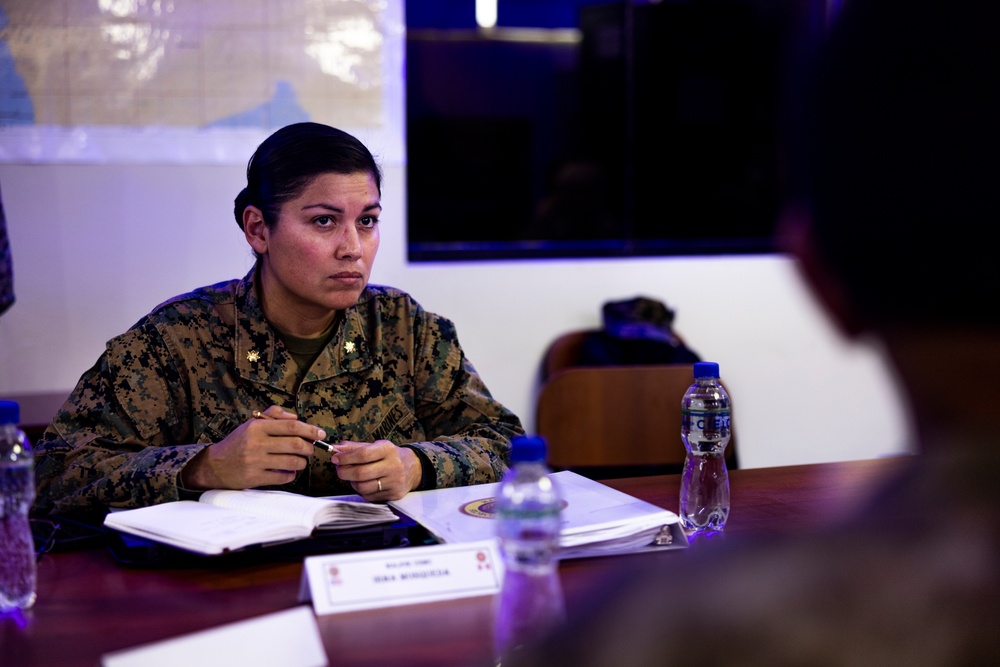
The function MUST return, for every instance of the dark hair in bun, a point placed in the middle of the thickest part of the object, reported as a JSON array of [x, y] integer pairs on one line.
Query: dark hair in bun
[[289, 159]]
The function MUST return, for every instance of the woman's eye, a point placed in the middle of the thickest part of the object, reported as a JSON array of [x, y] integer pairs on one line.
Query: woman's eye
[[324, 221], [368, 221]]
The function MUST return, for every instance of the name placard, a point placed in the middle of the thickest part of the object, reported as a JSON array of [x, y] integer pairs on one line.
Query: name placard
[[372, 579]]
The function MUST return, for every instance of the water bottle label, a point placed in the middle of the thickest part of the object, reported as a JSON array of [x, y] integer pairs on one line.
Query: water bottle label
[[699, 421]]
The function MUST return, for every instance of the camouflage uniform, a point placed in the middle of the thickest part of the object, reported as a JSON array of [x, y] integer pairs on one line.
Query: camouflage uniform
[[195, 368]]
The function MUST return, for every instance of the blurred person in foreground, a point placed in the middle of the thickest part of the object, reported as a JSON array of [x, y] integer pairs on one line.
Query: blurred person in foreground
[[901, 143], [174, 405]]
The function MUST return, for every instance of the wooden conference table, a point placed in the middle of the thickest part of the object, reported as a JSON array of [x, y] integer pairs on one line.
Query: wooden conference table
[[88, 605]]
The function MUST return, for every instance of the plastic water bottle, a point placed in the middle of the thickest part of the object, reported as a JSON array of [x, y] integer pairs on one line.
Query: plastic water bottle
[[18, 575], [705, 430], [528, 516]]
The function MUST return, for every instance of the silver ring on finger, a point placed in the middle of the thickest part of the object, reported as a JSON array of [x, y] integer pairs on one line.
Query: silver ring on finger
[[378, 480]]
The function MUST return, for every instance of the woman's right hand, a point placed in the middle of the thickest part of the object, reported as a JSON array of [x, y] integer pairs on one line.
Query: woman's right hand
[[267, 450]]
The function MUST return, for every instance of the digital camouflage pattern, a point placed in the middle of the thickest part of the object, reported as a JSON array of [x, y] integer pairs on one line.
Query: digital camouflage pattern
[[196, 367]]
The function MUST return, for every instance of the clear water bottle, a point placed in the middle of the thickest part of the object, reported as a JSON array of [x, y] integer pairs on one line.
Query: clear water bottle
[[705, 430], [528, 516], [18, 575]]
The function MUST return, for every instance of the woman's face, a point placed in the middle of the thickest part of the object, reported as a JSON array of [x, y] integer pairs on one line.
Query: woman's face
[[318, 256]]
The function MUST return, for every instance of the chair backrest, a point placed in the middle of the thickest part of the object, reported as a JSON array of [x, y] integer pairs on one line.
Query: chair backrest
[[605, 421], [563, 352]]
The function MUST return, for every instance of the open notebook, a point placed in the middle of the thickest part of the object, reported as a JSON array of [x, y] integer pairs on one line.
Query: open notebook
[[270, 524]]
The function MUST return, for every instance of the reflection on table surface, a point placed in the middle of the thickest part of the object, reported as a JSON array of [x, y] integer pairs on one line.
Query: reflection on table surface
[[88, 605]]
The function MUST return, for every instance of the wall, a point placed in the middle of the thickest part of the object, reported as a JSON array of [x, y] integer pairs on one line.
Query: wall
[[95, 247]]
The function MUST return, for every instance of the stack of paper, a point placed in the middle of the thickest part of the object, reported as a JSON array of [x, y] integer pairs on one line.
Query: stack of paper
[[597, 520]]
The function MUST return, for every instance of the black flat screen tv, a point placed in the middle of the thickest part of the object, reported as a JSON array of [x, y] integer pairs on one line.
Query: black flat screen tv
[[600, 129]]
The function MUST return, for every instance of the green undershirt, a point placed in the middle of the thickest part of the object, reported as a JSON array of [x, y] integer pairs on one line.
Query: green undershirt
[[305, 350]]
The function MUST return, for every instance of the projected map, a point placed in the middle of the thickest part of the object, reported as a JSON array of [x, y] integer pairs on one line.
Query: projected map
[[82, 70]]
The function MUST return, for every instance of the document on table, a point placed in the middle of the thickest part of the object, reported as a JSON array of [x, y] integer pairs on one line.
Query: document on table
[[289, 638], [596, 520]]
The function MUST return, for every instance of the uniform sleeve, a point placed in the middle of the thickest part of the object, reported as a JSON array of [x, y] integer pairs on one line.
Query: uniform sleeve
[[114, 441], [468, 431]]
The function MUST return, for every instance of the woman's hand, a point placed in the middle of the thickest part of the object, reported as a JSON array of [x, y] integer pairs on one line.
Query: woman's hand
[[378, 470], [268, 450]]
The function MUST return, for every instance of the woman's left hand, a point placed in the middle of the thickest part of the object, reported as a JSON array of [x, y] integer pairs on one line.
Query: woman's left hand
[[378, 470]]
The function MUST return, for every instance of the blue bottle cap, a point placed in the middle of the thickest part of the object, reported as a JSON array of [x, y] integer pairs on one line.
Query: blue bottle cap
[[10, 412], [706, 369], [528, 448]]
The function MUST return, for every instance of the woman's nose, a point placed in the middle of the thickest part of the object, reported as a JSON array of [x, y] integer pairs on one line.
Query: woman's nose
[[349, 243]]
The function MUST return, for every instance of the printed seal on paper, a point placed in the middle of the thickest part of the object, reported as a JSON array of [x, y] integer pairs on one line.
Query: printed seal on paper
[[484, 508]]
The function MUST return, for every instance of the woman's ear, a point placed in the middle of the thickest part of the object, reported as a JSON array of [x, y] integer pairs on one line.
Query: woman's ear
[[254, 229], [796, 236]]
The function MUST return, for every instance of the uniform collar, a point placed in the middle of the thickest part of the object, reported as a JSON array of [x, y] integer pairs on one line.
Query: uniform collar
[[262, 358], [349, 350]]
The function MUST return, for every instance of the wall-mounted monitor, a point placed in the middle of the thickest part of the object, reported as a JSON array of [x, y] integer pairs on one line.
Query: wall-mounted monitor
[[599, 129]]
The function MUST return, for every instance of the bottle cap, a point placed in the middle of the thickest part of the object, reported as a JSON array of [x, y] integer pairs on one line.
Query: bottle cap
[[10, 412], [527, 448], [706, 369]]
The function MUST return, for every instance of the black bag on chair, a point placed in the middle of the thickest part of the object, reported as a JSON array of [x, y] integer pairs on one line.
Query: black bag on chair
[[635, 332]]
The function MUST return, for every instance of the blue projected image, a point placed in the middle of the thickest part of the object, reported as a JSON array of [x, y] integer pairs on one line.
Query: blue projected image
[[16, 107]]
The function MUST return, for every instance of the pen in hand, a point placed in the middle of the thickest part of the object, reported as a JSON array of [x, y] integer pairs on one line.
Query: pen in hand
[[257, 414]]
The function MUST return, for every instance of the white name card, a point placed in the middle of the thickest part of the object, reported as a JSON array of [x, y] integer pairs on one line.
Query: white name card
[[289, 638], [372, 579]]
